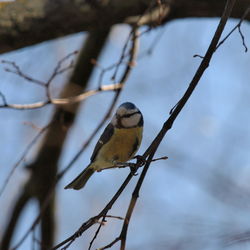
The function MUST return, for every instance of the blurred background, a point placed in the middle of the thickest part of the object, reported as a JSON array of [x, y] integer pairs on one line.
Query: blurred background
[[199, 197]]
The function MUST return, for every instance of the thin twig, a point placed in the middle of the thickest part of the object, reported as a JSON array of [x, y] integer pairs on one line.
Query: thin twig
[[140, 162], [59, 70], [236, 238], [110, 244], [123, 54], [154, 43], [19, 72], [64, 101], [86, 225], [237, 26], [148, 51], [97, 232], [3, 98], [114, 217], [242, 38]]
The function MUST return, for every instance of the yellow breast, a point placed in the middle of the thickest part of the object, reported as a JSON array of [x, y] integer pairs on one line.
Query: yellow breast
[[122, 146]]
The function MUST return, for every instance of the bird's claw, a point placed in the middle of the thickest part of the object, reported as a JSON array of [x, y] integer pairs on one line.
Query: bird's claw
[[140, 160]]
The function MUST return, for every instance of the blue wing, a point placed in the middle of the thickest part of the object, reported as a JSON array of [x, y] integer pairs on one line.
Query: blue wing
[[105, 137]]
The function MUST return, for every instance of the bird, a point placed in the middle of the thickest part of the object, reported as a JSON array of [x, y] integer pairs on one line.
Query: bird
[[118, 143]]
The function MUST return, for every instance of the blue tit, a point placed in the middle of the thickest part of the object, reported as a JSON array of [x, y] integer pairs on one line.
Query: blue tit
[[118, 143]]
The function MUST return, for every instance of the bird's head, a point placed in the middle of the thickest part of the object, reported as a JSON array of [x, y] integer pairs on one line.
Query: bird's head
[[127, 116]]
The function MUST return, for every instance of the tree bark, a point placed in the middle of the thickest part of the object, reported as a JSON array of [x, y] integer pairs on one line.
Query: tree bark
[[24, 23]]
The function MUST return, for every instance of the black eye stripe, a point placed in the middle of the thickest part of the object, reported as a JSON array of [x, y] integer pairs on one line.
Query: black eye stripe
[[129, 115]]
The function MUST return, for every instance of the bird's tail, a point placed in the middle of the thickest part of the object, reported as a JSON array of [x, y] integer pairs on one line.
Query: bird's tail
[[80, 181]]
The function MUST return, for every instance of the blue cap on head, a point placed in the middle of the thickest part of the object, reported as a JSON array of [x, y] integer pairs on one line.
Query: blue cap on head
[[128, 105]]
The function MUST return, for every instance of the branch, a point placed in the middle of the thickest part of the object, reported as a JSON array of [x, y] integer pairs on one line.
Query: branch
[[26, 151], [11, 226], [16, 70], [64, 101], [97, 231], [236, 238], [86, 225], [238, 26], [168, 124], [77, 98]]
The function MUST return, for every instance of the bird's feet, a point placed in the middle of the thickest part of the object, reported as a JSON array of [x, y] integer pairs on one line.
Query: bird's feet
[[140, 160]]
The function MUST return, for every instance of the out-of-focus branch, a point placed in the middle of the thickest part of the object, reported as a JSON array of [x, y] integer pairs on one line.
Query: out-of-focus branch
[[123, 78], [30, 22], [45, 165], [59, 70], [64, 101], [41, 20], [21, 202], [26, 151], [236, 238], [133, 52]]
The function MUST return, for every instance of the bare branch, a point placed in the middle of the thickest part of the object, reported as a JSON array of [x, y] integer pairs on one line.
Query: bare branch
[[63, 101], [242, 38], [3, 98], [59, 70], [237, 238], [102, 223], [114, 217], [16, 70], [153, 16], [97, 231], [93, 220], [168, 124], [110, 244], [152, 46], [46, 85], [238, 26]]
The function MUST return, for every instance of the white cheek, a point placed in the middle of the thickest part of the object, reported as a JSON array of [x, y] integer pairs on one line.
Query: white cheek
[[131, 121]]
